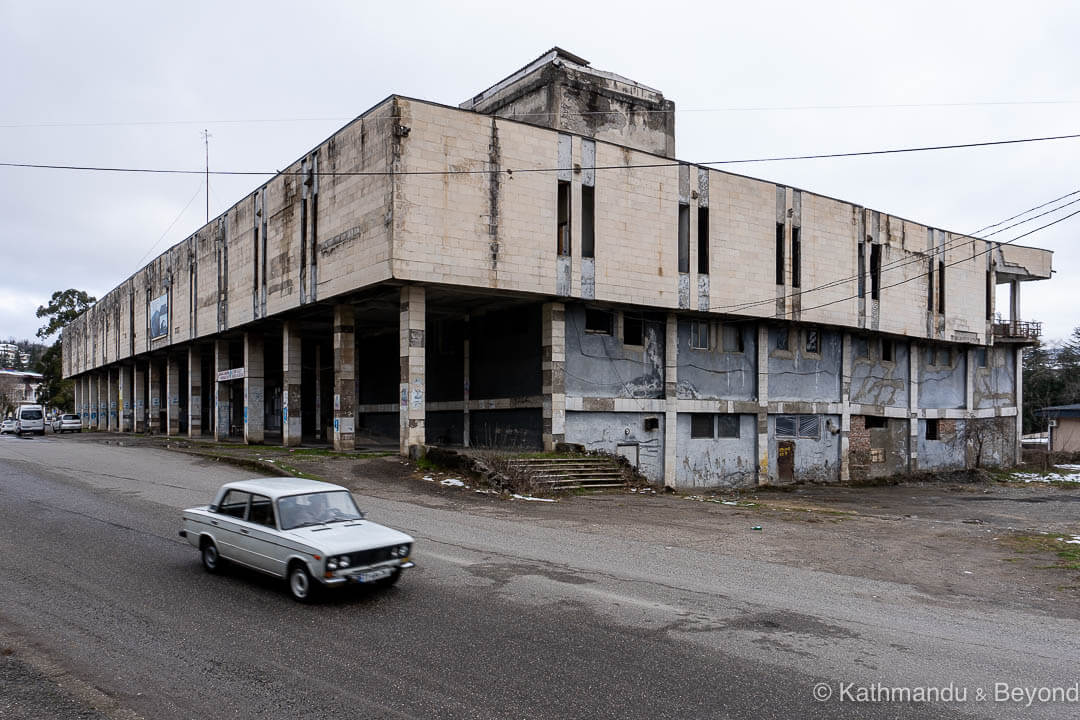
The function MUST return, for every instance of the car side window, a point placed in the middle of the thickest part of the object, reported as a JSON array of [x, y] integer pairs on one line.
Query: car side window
[[262, 511], [234, 504]]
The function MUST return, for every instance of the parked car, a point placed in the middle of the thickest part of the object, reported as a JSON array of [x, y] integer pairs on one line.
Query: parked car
[[67, 423], [306, 531], [29, 419], [7, 426]]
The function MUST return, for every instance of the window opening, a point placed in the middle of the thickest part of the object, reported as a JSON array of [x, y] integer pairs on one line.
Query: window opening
[[562, 233], [796, 258], [779, 253], [632, 329], [781, 338], [809, 426], [598, 321], [932, 430], [813, 344], [684, 238], [786, 426], [875, 271], [887, 350], [703, 241], [701, 425], [732, 339], [588, 222], [875, 421], [699, 335], [727, 426]]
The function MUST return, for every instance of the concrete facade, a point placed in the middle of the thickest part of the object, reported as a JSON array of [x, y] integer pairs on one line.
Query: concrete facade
[[473, 276]]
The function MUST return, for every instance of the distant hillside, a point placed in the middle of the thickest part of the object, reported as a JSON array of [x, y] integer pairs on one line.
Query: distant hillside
[[34, 349]]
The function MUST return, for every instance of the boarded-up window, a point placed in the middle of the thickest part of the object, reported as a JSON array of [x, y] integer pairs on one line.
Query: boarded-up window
[[980, 357], [727, 426], [809, 426], [887, 350], [860, 347], [781, 338], [598, 321], [732, 338], [699, 335], [813, 341], [786, 426], [701, 425], [944, 358]]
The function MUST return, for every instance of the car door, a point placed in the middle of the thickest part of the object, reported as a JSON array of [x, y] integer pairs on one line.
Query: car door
[[229, 519], [260, 540]]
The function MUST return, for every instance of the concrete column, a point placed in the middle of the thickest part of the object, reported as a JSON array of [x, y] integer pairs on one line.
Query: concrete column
[[194, 391], [1014, 301], [111, 390], [290, 383], [413, 368], [764, 471], [465, 385], [153, 378], [138, 393], [553, 373], [1020, 405], [969, 380], [102, 402], [254, 388], [914, 359], [222, 409], [172, 393], [123, 397], [92, 402], [318, 392], [344, 378], [671, 401], [845, 412]]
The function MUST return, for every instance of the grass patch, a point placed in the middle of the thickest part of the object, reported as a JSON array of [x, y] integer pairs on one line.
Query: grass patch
[[295, 472], [1039, 544], [322, 452]]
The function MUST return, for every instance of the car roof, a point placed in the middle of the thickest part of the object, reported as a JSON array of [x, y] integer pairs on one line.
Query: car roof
[[275, 487]]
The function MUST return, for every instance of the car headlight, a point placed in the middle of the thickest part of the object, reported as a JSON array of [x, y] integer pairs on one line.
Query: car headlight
[[332, 564], [343, 561], [401, 551]]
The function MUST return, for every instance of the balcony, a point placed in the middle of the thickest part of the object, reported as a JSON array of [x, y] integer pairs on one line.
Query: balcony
[[1017, 330]]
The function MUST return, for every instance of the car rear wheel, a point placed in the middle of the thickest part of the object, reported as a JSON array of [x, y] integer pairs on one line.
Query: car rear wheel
[[211, 560], [301, 584]]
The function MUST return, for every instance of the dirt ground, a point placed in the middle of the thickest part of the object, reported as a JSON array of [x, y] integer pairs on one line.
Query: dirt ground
[[959, 544]]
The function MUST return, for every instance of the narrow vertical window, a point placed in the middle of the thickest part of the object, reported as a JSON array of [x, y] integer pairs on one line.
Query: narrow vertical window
[[780, 253], [781, 338], [941, 286], [684, 238], [796, 258], [989, 299], [862, 269], [875, 272], [930, 288], [588, 222], [703, 240], [562, 235]]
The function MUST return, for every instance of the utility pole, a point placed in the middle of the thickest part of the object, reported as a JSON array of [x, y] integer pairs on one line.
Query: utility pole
[[206, 142]]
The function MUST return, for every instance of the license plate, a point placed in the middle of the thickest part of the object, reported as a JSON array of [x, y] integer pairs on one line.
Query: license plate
[[373, 575]]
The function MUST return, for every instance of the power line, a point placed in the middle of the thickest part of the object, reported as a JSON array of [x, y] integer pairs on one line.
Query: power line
[[959, 240], [22, 124], [509, 171]]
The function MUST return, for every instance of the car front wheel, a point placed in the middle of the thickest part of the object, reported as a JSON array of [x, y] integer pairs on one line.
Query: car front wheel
[[301, 584], [211, 560]]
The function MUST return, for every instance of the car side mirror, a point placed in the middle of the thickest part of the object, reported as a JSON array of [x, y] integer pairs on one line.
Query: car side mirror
[[212, 508]]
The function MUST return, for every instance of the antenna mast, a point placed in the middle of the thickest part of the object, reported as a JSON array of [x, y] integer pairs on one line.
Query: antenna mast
[[206, 142]]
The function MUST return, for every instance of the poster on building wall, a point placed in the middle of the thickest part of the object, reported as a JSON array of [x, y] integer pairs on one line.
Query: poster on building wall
[[159, 316]]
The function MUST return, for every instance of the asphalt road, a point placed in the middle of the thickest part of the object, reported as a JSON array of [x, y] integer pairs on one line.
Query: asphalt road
[[502, 618]]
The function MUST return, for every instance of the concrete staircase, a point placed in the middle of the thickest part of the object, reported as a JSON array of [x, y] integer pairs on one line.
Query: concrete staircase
[[570, 473]]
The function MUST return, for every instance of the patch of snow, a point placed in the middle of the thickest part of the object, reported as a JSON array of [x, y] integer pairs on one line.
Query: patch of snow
[[488, 492], [529, 497], [1047, 478], [452, 482], [429, 478], [1068, 467], [1075, 540]]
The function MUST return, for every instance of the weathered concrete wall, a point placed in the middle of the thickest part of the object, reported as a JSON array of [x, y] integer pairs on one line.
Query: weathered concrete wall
[[717, 462], [599, 365], [798, 375], [942, 386], [948, 452], [606, 431], [875, 381], [716, 374], [816, 460], [995, 384]]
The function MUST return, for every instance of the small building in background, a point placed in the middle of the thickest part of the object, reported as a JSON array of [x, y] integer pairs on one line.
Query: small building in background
[[18, 387], [1064, 422]]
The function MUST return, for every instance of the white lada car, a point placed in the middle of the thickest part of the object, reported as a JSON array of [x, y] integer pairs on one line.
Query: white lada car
[[306, 531]]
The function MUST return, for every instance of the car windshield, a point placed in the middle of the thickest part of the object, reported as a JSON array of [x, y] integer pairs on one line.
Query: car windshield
[[298, 511], [71, 417], [31, 414]]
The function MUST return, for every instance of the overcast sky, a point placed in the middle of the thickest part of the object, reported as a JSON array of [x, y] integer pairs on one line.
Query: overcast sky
[[134, 84]]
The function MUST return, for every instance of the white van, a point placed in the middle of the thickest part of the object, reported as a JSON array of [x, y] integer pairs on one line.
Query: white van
[[29, 419]]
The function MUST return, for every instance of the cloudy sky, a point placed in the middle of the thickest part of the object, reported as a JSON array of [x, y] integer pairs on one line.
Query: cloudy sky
[[134, 84]]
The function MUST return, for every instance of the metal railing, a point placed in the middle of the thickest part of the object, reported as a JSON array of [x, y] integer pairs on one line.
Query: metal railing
[[1025, 330]]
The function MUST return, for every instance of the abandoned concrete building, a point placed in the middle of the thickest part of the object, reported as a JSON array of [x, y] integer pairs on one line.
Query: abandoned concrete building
[[535, 267]]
